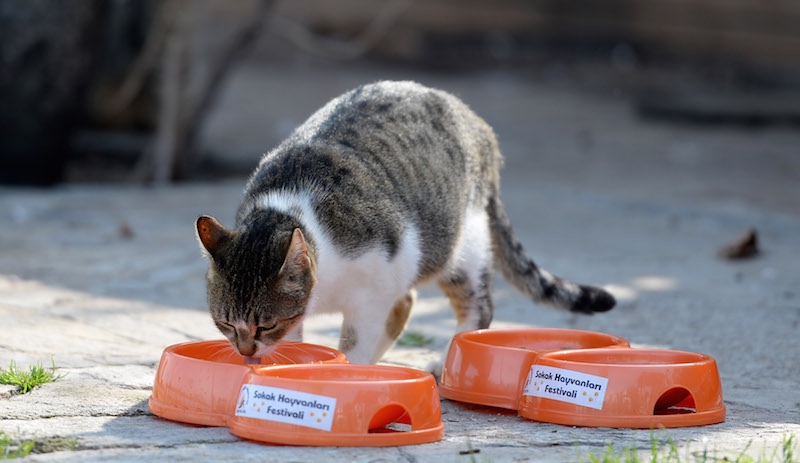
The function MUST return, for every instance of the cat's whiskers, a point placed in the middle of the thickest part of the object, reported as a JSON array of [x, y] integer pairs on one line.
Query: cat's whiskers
[[280, 358], [296, 347], [214, 351]]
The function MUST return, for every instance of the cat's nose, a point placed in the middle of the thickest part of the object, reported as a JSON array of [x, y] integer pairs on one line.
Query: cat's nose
[[246, 348]]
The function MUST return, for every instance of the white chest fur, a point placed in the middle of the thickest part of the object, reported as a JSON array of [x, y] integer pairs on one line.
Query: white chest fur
[[350, 284]]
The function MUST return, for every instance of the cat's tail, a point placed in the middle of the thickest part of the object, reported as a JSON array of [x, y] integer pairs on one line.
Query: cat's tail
[[541, 286]]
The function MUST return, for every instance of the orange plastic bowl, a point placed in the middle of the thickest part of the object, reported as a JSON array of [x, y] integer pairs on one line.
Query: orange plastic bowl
[[198, 382], [338, 405], [489, 367], [624, 388]]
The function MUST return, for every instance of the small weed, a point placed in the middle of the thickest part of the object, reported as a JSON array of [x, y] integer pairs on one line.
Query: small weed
[[26, 381], [9, 450], [787, 448], [55, 444], [785, 453], [414, 339], [472, 452]]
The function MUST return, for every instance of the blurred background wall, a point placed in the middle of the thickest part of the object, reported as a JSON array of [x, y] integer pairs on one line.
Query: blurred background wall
[[751, 32], [125, 86]]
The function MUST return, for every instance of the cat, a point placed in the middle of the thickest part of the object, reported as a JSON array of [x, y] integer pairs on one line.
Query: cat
[[387, 187]]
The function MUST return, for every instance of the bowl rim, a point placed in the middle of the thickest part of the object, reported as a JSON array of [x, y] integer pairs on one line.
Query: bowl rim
[[178, 349], [411, 375], [471, 337], [708, 417], [337, 439], [563, 357]]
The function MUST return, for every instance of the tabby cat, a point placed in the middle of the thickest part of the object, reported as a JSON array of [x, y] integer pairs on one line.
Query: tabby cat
[[386, 187]]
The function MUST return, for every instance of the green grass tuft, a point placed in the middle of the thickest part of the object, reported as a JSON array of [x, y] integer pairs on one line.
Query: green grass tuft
[[9, 449], [26, 381], [414, 339], [668, 453]]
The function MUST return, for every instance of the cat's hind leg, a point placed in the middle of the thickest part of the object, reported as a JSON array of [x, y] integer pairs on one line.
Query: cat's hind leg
[[470, 294], [471, 299], [364, 339], [467, 281]]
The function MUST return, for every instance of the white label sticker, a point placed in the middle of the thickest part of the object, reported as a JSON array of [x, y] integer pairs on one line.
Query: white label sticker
[[567, 386], [286, 406]]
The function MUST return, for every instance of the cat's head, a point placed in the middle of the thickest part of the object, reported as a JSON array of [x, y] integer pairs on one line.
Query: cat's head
[[259, 281]]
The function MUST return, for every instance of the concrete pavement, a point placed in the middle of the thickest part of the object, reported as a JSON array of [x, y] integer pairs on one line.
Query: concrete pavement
[[101, 278]]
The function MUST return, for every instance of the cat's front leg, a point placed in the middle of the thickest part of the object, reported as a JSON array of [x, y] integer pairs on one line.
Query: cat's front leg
[[367, 333]]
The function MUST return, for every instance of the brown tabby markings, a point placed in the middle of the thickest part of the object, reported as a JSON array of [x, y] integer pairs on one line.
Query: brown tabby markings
[[385, 188], [348, 339], [398, 317]]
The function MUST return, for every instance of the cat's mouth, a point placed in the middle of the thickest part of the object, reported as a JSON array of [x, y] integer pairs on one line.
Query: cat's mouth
[[263, 349], [259, 354]]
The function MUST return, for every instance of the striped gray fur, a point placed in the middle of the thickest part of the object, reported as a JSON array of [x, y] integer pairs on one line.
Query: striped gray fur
[[393, 169]]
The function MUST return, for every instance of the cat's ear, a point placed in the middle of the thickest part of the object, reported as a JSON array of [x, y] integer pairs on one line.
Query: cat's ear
[[297, 259], [212, 235], [297, 266]]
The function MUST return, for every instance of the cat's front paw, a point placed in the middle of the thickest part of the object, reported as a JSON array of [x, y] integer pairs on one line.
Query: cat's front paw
[[435, 368]]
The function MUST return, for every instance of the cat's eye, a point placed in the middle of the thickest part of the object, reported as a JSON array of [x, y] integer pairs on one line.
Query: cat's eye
[[225, 326], [264, 329]]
